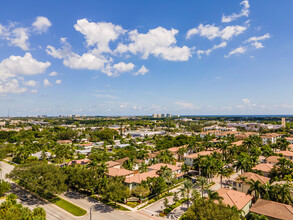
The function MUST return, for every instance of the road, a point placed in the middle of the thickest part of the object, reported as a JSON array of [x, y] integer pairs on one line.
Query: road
[[53, 212], [100, 211]]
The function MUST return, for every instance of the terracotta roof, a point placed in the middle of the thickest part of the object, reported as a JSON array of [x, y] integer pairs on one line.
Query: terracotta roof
[[289, 138], [270, 135], [265, 167], [238, 143], [234, 198], [255, 177], [152, 155], [202, 153], [272, 209], [64, 142], [74, 162], [273, 159], [286, 153], [290, 147], [119, 172], [159, 165], [175, 149], [121, 161], [138, 178], [86, 145], [112, 163]]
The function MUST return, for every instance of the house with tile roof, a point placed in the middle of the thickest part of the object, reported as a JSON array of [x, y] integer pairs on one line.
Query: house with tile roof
[[287, 154], [119, 172], [241, 186], [240, 200], [273, 159], [136, 179], [272, 210], [189, 159], [265, 168]]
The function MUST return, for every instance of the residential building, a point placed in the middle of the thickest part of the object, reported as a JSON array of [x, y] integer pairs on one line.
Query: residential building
[[241, 186], [189, 159], [270, 138], [283, 122], [289, 139], [240, 200], [272, 210], [273, 159], [175, 170], [64, 142], [119, 172], [287, 154], [265, 168], [136, 179]]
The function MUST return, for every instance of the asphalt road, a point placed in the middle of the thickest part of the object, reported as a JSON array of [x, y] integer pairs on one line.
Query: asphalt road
[[53, 212], [99, 211]]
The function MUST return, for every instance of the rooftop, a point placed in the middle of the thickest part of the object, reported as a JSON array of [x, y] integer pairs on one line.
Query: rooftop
[[255, 177], [234, 198], [273, 209]]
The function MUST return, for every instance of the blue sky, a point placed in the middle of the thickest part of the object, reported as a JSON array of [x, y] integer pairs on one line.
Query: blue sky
[[143, 57]]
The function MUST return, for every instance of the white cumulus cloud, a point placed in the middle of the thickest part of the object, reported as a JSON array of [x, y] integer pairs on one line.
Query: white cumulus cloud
[[53, 73], [123, 67], [234, 16], [211, 31], [254, 41], [58, 81], [207, 52], [159, 42], [31, 83], [41, 24], [47, 83], [11, 86], [238, 50], [99, 34], [143, 70], [17, 65]]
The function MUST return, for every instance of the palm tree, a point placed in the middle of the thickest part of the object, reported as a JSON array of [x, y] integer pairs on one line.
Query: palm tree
[[283, 192], [224, 172], [266, 191], [185, 168], [168, 177], [203, 184], [143, 167], [186, 190], [253, 216], [181, 152], [255, 186], [213, 196], [102, 169]]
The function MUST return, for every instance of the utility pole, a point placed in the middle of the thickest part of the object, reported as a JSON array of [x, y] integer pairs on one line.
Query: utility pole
[[91, 212]]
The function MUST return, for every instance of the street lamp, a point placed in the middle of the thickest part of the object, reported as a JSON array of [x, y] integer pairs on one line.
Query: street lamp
[[91, 212]]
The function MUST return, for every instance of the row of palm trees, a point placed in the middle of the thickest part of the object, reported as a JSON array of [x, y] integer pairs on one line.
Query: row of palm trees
[[278, 193]]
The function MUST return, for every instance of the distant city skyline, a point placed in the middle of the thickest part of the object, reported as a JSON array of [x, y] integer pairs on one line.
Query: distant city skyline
[[145, 57]]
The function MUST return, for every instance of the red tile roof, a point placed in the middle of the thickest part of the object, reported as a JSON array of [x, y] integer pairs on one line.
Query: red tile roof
[[272, 209], [255, 177], [234, 198]]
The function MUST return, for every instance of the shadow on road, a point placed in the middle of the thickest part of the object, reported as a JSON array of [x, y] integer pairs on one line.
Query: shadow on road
[[29, 198], [101, 207], [74, 195]]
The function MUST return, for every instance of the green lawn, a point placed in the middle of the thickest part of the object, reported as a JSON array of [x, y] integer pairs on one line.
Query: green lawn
[[132, 204], [69, 207]]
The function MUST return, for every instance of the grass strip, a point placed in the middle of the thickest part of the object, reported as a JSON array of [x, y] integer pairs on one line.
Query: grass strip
[[69, 207]]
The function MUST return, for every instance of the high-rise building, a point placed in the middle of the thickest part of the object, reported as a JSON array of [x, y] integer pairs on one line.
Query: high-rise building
[[283, 122], [163, 115], [169, 115]]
